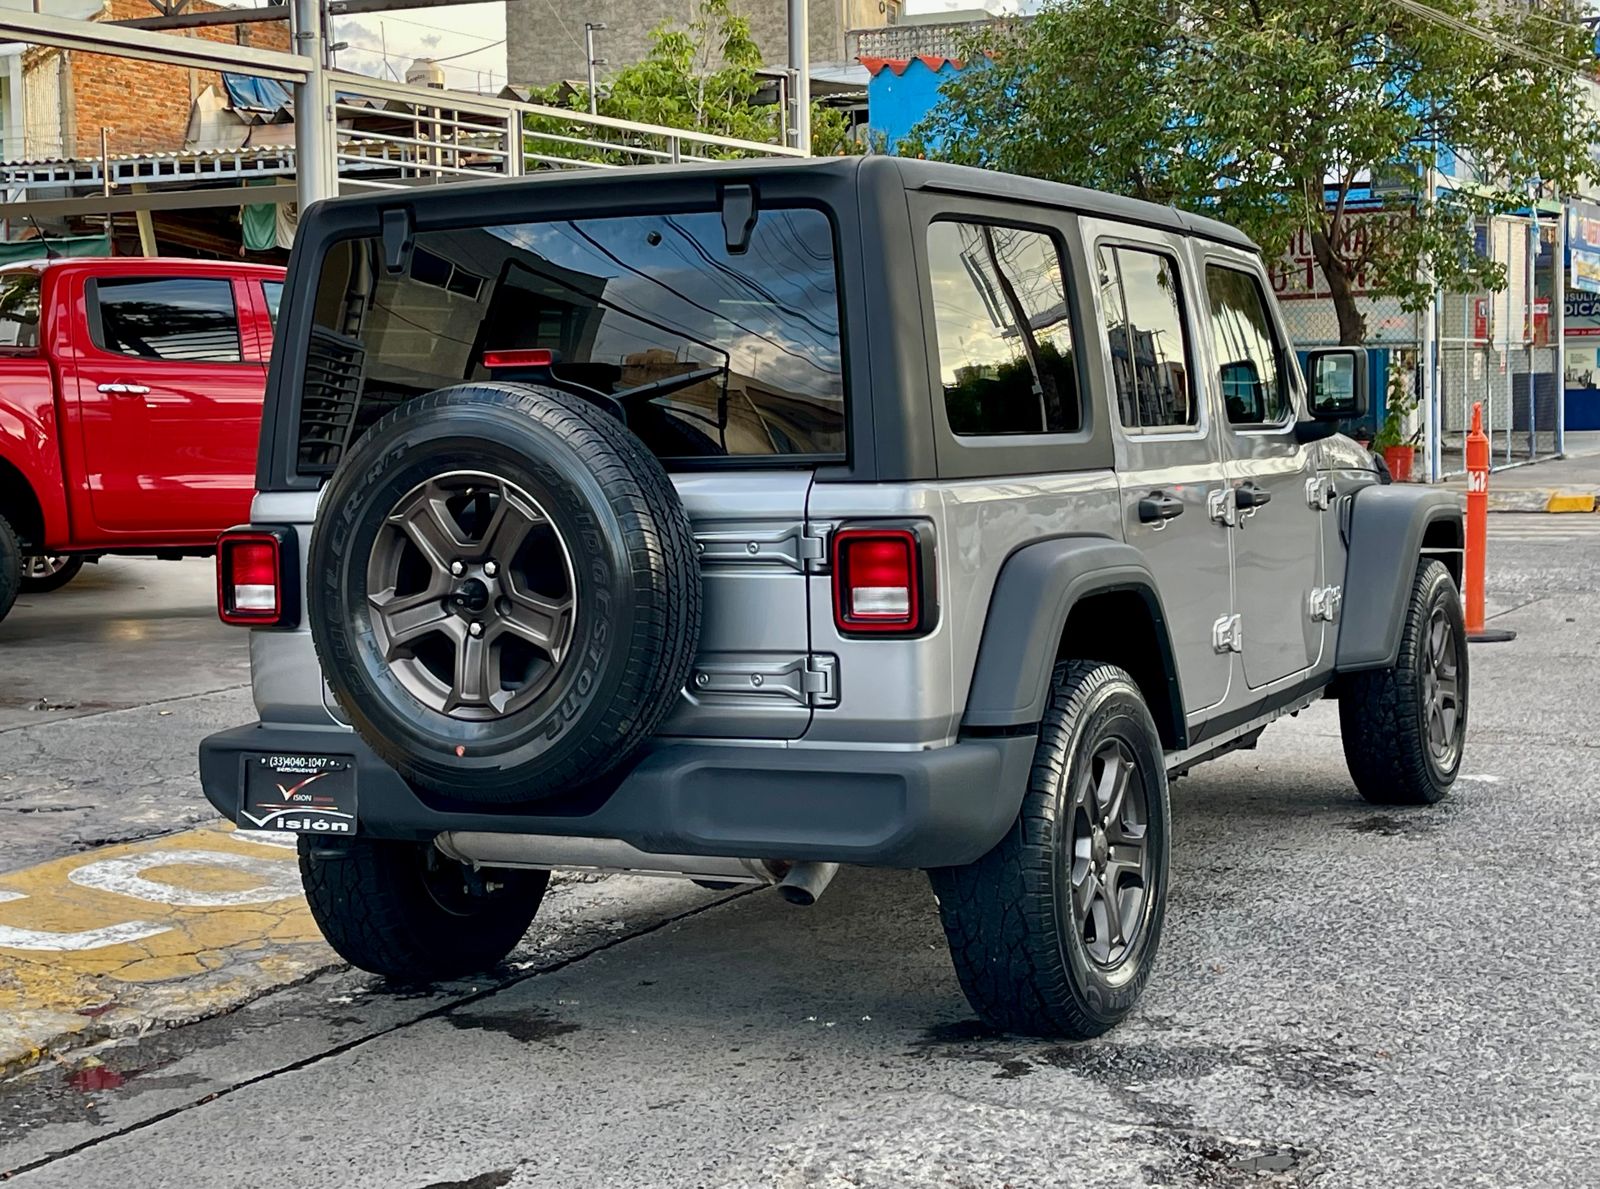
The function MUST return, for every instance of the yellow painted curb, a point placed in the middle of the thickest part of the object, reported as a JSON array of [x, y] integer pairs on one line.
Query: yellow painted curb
[[150, 934], [1570, 502]]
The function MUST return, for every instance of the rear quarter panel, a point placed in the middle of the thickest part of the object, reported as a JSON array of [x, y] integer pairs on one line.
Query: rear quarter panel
[[29, 438]]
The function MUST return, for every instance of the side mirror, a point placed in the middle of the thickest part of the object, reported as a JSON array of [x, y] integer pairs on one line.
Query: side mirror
[[1338, 383]]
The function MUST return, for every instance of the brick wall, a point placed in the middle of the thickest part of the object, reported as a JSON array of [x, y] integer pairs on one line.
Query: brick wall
[[144, 105]]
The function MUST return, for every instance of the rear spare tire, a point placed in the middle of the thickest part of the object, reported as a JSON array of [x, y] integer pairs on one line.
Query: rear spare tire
[[503, 591]]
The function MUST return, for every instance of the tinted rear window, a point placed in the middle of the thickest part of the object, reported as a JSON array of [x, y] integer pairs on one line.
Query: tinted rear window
[[19, 309], [704, 352], [185, 319]]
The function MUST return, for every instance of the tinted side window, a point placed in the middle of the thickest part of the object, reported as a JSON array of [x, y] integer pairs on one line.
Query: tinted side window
[[273, 292], [1147, 339], [19, 309], [1255, 388], [1006, 358], [186, 319]]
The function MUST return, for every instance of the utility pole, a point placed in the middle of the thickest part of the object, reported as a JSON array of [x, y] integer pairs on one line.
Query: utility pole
[[800, 74], [315, 168], [590, 28]]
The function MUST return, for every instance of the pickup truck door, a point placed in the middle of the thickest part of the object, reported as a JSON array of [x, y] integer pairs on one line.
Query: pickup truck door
[[169, 399]]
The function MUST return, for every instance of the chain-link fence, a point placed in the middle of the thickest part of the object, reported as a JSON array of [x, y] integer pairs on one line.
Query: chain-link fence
[[1489, 347]]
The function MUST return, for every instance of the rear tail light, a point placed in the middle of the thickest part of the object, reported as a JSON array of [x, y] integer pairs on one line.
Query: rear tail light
[[530, 357], [257, 579], [882, 580]]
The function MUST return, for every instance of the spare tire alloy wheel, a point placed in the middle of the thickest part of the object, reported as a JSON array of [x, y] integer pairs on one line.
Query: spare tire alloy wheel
[[504, 593], [472, 595]]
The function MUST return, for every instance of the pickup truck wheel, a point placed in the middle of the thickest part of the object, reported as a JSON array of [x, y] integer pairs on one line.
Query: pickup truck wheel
[[1054, 932], [410, 913], [505, 593], [44, 572], [10, 567], [1404, 727]]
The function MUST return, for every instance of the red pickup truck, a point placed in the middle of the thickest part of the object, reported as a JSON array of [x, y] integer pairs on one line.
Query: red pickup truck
[[130, 405]]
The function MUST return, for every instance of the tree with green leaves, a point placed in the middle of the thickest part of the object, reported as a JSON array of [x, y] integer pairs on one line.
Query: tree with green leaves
[[701, 78], [1270, 113]]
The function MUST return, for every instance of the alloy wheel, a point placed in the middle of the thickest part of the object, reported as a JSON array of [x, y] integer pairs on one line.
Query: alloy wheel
[[472, 595], [44, 565], [1109, 864], [1441, 690]]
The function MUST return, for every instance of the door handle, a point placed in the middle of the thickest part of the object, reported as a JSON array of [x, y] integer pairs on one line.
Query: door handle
[[1158, 507], [120, 389], [1248, 495]]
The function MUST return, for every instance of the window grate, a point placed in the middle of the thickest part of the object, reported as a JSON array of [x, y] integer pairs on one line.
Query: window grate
[[328, 400]]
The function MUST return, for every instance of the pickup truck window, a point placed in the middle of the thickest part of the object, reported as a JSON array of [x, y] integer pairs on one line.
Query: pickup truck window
[[273, 292], [182, 319], [19, 310]]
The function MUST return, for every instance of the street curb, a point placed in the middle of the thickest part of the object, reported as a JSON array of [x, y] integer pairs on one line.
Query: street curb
[[1537, 500]]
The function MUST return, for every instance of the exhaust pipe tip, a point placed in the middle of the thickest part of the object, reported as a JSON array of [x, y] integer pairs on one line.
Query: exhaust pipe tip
[[805, 882]]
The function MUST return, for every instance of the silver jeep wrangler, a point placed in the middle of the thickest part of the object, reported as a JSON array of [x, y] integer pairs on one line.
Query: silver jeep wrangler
[[738, 521]]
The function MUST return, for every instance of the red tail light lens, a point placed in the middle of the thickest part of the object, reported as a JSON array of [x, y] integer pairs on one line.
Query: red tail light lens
[[254, 577], [532, 357], [878, 581]]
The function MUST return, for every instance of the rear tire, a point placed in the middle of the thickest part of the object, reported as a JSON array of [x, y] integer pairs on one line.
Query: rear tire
[[1404, 728], [1029, 928], [42, 573], [409, 912], [10, 567]]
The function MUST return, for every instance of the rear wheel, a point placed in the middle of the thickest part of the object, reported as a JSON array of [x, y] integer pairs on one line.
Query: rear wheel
[[1054, 932], [409, 912], [10, 567], [44, 572], [1404, 727]]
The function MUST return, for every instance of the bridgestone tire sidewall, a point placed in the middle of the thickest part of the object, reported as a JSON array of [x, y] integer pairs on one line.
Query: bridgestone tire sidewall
[[1114, 710], [419, 742]]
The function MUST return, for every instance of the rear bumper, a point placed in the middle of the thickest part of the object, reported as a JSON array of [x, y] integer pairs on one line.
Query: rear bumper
[[935, 808]]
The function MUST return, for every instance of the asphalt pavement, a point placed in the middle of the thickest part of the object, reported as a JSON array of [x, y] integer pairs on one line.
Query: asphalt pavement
[[1346, 996]]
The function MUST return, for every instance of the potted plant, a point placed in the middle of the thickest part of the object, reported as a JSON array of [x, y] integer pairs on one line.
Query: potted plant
[[1398, 449]]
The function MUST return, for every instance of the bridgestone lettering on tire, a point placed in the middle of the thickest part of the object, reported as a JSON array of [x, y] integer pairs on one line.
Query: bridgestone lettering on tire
[[1030, 928], [1404, 727], [503, 591]]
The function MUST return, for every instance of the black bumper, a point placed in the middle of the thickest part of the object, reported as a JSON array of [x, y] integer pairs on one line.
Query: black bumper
[[889, 809]]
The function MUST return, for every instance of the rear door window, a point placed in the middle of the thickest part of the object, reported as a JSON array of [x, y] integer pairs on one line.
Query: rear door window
[[1141, 300], [179, 319]]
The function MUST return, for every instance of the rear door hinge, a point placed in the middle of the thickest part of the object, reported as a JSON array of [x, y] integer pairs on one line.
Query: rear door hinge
[[1227, 634], [820, 680]]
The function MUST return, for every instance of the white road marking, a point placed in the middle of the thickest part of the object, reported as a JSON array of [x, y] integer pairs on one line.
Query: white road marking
[[279, 880], [88, 939]]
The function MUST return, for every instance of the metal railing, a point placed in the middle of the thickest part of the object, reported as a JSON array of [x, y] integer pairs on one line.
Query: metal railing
[[392, 134]]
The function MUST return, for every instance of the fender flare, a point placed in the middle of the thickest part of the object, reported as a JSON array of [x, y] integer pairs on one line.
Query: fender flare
[[1383, 527], [1035, 593]]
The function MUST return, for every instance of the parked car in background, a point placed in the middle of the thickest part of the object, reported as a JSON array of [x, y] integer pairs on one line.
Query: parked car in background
[[130, 404]]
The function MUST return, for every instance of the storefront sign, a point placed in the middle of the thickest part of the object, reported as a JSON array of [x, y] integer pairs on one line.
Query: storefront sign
[[1582, 316], [1296, 275], [1583, 246]]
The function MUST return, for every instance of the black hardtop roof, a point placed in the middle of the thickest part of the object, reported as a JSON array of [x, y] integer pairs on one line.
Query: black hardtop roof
[[912, 174]]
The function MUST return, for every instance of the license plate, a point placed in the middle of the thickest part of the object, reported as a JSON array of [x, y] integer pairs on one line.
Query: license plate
[[305, 794]]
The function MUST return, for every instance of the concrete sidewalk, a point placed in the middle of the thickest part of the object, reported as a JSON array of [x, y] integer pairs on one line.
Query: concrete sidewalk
[[1570, 484]]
